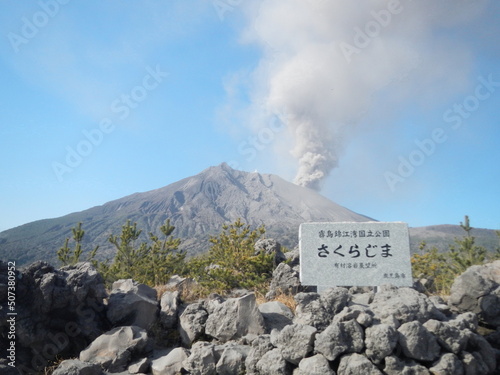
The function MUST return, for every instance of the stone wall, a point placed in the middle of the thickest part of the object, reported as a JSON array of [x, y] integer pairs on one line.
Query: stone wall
[[340, 331]]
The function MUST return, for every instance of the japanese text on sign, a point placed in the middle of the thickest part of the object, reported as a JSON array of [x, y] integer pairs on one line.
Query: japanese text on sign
[[354, 254]]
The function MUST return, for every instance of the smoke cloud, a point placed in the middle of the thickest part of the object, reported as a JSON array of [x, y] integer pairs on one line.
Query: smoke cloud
[[325, 61]]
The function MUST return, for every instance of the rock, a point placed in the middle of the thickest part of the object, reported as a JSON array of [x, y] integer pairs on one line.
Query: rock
[[417, 342], [273, 363], [405, 304], [380, 341], [363, 299], [494, 338], [293, 257], [358, 313], [192, 323], [276, 315], [59, 312], [115, 349], [356, 364], [285, 280], [473, 364], [448, 364], [397, 366], [315, 365], [270, 246], [5, 369], [232, 360], [440, 304], [77, 367], [202, 359], [140, 366], [169, 309], [235, 318], [131, 303], [449, 337], [477, 290], [295, 342], [318, 310], [335, 299], [340, 338], [481, 349], [179, 283], [466, 320], [260, 346], [170, 364]]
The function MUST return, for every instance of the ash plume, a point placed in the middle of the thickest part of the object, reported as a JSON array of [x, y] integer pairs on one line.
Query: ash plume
[[326, 61]]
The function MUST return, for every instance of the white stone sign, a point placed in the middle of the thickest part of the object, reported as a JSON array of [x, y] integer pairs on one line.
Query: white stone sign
[[355, 254]]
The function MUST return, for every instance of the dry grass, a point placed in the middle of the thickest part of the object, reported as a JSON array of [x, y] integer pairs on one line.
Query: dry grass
[[51, 368], [284, 298]]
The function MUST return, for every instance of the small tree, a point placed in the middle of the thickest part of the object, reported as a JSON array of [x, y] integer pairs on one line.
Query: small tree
[[162, 260], [69, 257], [128, 260], [231, 261], [466, 253], [443, 268]]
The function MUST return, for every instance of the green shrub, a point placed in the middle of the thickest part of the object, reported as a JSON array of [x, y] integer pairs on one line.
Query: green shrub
[[70, 257], [443, 268], [231, 261]]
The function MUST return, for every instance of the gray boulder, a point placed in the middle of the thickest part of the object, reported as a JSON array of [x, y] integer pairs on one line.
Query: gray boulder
[[295, 342], [481, 349], [466, 320], [315, 365], [473, 364], [171, 363], [380, 341], [131, 303], [417, 342], [202, 360], [140, 366], [232, 360], [273, 363], [399, 366], [285, 280], [355, 312], [448, 364], [5, 369], [318, 310], [179, 283], [260, 346], [235, 318], [115, 349], [276, 315], [405, 305], [270, 247], [59, 312], [340, 338], [192, 323], [451, 338], [440, 304], [293, 257], [169, 309], [77, 367], [477, 290], [356, 364]]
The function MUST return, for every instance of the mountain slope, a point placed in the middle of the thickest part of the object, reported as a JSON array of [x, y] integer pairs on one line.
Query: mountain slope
[[197, 206], [442, 236]]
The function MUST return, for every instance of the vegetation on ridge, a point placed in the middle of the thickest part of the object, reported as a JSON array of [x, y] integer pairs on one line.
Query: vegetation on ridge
[[230, 263], [441, 268]]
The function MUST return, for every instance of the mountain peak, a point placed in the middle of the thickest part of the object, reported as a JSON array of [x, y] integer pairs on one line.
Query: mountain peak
[[197, 206]]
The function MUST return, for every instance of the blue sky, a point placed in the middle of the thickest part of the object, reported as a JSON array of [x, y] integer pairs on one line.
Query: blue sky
[[389, 110]]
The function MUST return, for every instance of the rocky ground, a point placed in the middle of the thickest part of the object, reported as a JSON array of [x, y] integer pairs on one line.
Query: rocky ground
[[66, 313]]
